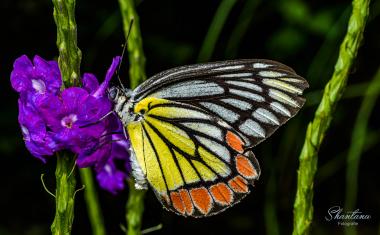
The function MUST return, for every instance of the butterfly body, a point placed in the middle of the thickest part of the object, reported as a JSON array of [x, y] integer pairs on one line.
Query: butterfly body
[[192, 129]]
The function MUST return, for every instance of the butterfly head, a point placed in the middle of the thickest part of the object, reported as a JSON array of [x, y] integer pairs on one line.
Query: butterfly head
[[122, 105], [113, 94], [117, 93]]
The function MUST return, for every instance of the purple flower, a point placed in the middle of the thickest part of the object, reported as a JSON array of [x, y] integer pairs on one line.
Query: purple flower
[[34, 80], [39, 77], [37, 139], [90, 83], [68, 114], [77, 118], [109, 176]]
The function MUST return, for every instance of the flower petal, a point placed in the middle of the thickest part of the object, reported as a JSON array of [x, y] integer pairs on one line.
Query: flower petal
[[120, 147], [37, 140], [94, 154], [19, 79], [103, 87], [51, 110], [49, 72], [41, 77], [110, 178], [93, 109], [90, 83], [73, 98]]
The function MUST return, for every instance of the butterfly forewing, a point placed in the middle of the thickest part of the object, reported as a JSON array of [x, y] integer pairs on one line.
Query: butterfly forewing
[[253, 96]]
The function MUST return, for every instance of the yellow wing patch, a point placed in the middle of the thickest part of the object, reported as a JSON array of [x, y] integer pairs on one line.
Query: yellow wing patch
[[146, 156]]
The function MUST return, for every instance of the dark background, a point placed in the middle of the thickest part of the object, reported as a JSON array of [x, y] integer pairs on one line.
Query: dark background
[[302, 34]]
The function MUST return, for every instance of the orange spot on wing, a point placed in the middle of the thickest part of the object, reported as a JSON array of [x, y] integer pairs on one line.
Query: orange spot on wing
[[177, 202], [201, 199], [221, 193], [186, 201], [238, 184], [245, 167], [234, 141]]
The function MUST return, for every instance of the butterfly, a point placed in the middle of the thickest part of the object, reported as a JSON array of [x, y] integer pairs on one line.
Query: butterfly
[[193, 128]]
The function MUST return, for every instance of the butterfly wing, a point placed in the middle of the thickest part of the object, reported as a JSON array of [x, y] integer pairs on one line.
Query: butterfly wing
[[195, 162], [255, 97]]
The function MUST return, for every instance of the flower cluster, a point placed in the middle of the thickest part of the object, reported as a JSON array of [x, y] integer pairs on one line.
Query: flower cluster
[[75, 118]]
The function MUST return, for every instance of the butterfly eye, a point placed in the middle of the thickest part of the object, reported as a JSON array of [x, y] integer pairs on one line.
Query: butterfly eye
[[113, 93]]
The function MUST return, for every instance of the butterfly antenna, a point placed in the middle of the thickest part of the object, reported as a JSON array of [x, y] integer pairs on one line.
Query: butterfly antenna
[[123, 52]]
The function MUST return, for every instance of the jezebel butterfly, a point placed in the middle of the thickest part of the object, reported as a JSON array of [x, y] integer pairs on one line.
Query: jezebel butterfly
[[193, 129]]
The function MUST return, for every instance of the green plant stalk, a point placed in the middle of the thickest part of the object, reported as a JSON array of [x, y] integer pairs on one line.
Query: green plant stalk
[[303, 206], [358, 138], [215, 29], [135, 203], [135, 209], [64, 194], [69, 63], [69, 54], [135, 47], [92, 202]]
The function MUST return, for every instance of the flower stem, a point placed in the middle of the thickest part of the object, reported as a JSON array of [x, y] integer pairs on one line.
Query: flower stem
[[69, 63], [135, 203], [92, 202], [64, 194], [69, 54], [135, 48], [135, 209], [303, 207]]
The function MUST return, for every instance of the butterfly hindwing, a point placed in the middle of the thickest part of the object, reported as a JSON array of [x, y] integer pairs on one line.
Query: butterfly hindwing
[[255, 97], [196, 163]]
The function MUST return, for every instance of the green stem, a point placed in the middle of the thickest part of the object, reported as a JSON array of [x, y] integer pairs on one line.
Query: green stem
[[303, 207], [92, 202], [135, 48], [64, 194], [215, 29], [135, 203], [69, 54], [135, 209], [357, 146], [69, 63]]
